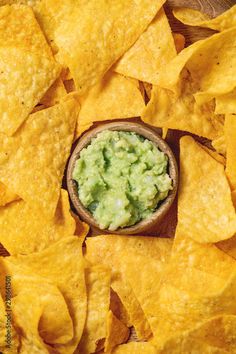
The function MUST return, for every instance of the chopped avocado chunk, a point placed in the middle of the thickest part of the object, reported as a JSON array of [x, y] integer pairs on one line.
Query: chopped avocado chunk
[[122, 177]]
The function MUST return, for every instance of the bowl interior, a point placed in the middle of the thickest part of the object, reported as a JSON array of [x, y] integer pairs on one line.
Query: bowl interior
[[147, 133]]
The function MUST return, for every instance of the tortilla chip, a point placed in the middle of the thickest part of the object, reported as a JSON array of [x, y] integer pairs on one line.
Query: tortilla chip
[[114, 97], [98, 281], [54, 94], [203, 187], [198, 284], [179, 41], [226, 104], [207, 61], [81, 229], [196, 18], [118, 309], [219, 158], [135, 348], [116, 25], [230, 137], [154, 49], [33, 161], [102, 249], [228, 246], [168, 110], [61, 265], [214, 336], [6, 196], [28, 68], [117, 332], [219, 144], [24, 231], [145, 284]]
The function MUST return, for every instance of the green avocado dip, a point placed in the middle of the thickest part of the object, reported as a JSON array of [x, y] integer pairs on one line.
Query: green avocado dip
[[122, 177]]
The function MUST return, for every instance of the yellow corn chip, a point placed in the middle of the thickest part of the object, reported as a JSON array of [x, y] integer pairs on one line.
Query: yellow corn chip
[[214, 154], [28, 68], [216, 335], [170, 111], [135, 348], [154, 49], [6, 196], [148, 89], [228, 246], [230, 137], [198, 284], [54, 94], [196, 18], [98, 281], [24, 231], [219, 144], [115, 25], [226, 104], [102, 249], [118, 309], [117, 332], [33, 161], [62, 265], [145, 284], [114, 97], [208, 63], [203, 188], [82, 229]]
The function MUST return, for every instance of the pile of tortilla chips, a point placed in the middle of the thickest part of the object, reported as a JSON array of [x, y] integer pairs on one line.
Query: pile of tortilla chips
[[65, 65]]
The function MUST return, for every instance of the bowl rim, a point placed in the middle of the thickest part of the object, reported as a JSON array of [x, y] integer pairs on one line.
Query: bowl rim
[[147, 133]]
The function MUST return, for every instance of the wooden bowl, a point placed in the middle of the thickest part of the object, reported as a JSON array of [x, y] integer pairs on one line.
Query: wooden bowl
[[148, 133]]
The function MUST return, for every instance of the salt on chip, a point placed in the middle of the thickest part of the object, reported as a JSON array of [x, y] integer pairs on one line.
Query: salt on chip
[[101, 250], [196, 18], [6, 196], [116, 25], [135, 348], [24, 231], [62, 265], [54, 94], [33, 160], [98, 281], [154, 49], [167, 110], [113, 97], [28, 68], [117, 332], [203, 188], [230, 137]]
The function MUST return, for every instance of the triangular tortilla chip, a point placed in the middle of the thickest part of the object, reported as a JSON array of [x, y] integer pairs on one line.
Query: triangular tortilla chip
[[54, 94], [154, 48], [98, 280], [24, 231], [196, 18], [230, 138], [113, 97], [117, 332], [116, 25], [62, 265], [28, 68], [205, 209], [33, 160]]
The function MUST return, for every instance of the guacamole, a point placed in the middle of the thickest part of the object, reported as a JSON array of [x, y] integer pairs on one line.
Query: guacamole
[[122, 177]]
